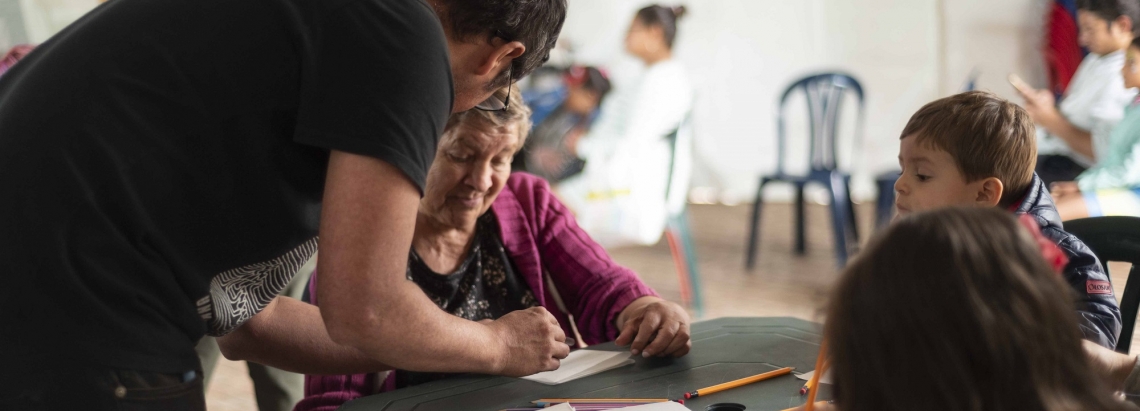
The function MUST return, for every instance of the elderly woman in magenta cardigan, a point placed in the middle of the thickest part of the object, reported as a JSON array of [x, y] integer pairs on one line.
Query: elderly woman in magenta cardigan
[[489, 242]]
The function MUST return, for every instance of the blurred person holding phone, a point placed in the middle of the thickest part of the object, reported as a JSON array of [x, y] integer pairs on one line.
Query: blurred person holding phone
[[1112, 186], [1073, 135]]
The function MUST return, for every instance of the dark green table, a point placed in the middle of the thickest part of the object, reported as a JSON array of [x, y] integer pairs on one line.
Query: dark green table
[[723, 350]]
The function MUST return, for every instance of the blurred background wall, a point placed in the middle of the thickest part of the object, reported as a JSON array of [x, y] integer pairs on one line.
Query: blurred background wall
[[741, 54]]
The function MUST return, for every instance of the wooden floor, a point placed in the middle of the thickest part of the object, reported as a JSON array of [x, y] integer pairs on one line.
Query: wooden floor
[[783, 284]]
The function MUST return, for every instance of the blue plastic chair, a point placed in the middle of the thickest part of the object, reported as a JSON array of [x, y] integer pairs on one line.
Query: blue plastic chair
[[885, 204], [1116, 238], [825, 94]]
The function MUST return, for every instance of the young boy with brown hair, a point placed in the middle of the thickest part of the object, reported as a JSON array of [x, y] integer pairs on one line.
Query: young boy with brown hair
[[978, 149]]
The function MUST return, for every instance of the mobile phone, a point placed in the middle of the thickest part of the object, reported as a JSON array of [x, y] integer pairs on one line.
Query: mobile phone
[[1019, 84]]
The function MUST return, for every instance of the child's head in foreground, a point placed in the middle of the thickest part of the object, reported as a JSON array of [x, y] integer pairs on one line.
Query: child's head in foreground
[[970, 149], [956, 309]]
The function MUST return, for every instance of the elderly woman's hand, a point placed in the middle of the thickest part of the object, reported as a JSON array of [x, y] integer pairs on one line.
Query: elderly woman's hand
[[532, 341], [654, 327]]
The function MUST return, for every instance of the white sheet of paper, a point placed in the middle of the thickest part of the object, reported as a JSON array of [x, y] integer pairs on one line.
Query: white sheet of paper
[[658, 406], [561, 407], [582, 363], [823, 379]]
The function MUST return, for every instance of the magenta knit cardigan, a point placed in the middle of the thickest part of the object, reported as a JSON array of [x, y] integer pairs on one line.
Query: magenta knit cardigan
[[538, 232]]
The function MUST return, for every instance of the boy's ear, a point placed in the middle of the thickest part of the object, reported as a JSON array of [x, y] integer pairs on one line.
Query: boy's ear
[[1124, 23], [990, 191]]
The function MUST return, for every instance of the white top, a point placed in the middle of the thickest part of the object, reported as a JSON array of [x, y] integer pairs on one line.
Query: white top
[[651, 108], [1095, 101], [627, 159]]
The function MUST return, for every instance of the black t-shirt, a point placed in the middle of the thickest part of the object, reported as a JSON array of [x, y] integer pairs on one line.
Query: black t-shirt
[[162, 163], [484, 287]]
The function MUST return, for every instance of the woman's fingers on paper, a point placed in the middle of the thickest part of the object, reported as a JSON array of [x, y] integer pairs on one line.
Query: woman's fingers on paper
[[681, 343], [649, 324], [628, 332], [666, 332], [551, 364], [561, 351]]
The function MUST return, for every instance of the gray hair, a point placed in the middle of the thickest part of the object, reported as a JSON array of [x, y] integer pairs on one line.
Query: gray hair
[[517, 114]]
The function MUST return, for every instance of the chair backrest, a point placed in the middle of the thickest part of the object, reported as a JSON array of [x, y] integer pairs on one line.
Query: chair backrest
[[1115, 239], [679, 168], [825, 93]]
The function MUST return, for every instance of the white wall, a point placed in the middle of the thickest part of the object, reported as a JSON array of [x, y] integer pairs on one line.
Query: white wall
[[743, 53]]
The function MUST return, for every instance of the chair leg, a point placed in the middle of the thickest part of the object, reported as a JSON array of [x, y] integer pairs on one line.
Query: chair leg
[[1128, 309], [839, 216], [801, 235], [754, 229], [853, 220], [690, 249], [885, 204], [679, 263]]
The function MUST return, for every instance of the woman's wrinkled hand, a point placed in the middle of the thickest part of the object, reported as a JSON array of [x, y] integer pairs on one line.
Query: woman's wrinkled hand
[[654, 327]]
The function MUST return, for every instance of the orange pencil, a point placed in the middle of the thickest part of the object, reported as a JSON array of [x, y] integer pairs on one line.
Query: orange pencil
[[743, 381], [819, 364], [809, 385], [798, 408], [605, 400]]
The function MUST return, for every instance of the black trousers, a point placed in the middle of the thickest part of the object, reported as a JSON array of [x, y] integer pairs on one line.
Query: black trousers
[[103, 389], [1054, 168]]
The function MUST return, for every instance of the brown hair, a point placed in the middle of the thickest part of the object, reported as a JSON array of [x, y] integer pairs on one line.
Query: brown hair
[[988, 136], [516, 114], [535, 23], [663, 17], [955, 309]]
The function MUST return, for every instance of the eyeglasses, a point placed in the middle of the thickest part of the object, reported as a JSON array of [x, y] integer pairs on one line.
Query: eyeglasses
[[495, 104]]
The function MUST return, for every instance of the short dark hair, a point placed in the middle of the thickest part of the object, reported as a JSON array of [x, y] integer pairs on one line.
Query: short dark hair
[[987, 136], [590, 78], [535, 23], [1109, 10], [663, 17], [961, 299]]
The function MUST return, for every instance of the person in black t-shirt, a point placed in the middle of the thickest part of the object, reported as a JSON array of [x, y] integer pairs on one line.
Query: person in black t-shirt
[[166, 166]]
